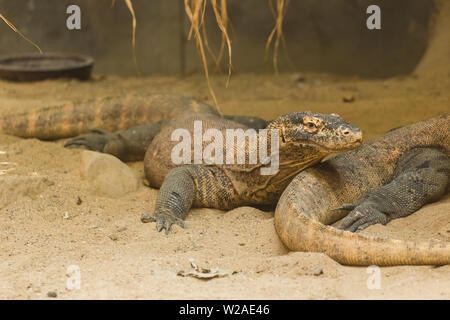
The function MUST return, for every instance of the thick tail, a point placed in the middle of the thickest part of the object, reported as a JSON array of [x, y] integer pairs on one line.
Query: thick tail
[[301, 232], [304, 208], [111, 114]]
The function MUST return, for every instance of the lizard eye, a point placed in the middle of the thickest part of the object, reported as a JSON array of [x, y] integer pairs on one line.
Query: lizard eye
[[311, 124]]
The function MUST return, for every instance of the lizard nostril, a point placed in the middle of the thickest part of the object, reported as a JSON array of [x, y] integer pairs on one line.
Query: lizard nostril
[[346, 132]]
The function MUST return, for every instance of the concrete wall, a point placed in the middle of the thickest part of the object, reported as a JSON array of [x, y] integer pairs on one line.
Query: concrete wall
[[321, 35], [436, 61]]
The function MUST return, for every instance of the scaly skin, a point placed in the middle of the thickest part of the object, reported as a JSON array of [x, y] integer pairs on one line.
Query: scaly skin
[[109, 113], [394, 176], [304, 139]]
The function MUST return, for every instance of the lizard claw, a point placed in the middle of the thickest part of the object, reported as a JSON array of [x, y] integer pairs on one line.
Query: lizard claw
[[164, 220], [94, 141], [363, 216], [164, 225], [347, 206]]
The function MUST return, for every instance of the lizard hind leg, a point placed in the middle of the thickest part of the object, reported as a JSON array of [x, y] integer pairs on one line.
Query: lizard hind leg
[[421, 176], [249, 121], [127, 145], [95, 141]]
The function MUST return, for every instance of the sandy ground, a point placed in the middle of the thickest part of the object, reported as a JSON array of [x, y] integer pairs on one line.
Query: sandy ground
[[49, 221], [44, 228]]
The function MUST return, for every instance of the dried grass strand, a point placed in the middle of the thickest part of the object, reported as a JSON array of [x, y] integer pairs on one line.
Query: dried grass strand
[[195, 11], [133, 34], [222, 21], [9, 23], [276, 35]]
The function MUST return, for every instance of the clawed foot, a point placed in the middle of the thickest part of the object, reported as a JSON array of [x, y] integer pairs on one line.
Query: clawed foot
[[362, 215], [164, 220], [94, 141]]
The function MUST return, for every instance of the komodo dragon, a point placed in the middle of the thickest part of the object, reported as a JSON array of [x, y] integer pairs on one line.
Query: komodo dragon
[[305, 138], [237, 185], [386, 179]]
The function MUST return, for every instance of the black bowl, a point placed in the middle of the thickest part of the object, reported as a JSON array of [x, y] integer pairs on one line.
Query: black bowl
[[35, 67]]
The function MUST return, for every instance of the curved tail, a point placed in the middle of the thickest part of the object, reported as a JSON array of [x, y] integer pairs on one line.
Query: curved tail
[[304, 208], [300, 232], [110, 113]]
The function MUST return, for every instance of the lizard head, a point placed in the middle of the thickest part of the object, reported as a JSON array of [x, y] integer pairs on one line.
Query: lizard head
[[320, 134]]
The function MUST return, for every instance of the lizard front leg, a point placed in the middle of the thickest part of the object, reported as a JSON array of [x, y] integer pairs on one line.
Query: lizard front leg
[[187, 186], [421, 176]]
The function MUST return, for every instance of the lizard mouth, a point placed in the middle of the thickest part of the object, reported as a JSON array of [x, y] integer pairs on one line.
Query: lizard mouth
[[335, 148]]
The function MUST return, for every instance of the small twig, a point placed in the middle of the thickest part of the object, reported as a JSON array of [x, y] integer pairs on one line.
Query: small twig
[[20, 33]]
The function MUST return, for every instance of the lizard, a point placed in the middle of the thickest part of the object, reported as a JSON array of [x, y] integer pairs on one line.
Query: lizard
[[305, 138], [324, 207]]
